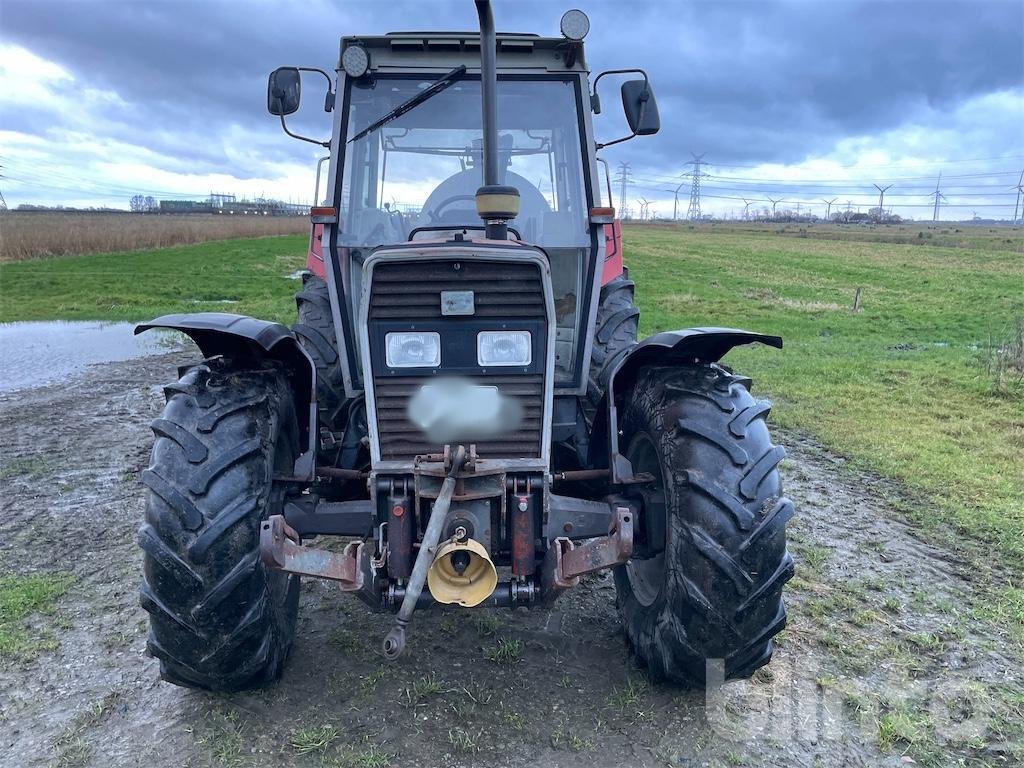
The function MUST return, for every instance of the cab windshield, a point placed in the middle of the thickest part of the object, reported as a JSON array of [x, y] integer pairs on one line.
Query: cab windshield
[[423, 168], [416, 177]]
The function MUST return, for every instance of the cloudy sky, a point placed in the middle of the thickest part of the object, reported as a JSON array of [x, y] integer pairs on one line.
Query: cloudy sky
[[798, 101]]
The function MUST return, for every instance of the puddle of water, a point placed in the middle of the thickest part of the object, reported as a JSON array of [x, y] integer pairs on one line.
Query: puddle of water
[[33, 354]]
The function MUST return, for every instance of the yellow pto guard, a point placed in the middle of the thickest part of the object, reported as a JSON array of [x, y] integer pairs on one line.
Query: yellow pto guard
[[462, 573]]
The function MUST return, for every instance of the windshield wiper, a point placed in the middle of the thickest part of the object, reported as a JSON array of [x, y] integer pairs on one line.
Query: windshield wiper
[[430, 91]]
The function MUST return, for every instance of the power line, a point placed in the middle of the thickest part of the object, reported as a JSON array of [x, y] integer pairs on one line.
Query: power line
[[793, 201], [845, 181], [812, 191], [883, 167]]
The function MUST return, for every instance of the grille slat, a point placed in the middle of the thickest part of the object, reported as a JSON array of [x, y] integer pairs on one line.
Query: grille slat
[[411, 291], [399, 438]]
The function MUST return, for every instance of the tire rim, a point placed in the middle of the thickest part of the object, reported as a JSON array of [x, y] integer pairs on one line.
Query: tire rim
[[647, 576]]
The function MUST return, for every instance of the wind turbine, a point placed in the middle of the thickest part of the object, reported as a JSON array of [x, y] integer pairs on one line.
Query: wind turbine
[[828, 210], [938, 196], [675, 199], [881, 200], [1020, 191]]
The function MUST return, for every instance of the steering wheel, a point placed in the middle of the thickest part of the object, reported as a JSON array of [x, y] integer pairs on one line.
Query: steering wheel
[[376, 235], [435, 215]]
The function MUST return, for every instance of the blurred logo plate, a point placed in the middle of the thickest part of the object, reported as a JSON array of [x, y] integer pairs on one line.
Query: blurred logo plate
[[457, 303]]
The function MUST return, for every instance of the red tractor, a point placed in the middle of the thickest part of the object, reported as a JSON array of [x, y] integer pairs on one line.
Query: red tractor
[[463, 397]]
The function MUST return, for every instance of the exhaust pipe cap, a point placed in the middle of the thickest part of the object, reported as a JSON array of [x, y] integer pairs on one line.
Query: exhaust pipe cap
[[497, 202]]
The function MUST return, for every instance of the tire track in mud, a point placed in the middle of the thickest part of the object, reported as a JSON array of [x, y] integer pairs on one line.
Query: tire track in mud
[[884, 655]]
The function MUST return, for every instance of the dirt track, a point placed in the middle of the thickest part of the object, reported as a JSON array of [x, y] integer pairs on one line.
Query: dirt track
[[882, 659]]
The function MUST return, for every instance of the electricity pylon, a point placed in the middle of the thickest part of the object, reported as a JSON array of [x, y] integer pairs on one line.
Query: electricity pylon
[[693, 212]]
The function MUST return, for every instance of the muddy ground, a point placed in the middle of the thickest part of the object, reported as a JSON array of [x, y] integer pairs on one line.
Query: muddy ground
[[890, 657]]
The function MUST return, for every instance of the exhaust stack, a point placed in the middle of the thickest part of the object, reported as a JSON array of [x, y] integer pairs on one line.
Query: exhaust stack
[[496, 204]]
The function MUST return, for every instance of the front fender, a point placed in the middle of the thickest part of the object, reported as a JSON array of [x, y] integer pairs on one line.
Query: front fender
[[690, 346], [246, 338]]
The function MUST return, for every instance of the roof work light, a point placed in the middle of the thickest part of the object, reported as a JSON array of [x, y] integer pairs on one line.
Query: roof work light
[[355, 61], [575, 25]]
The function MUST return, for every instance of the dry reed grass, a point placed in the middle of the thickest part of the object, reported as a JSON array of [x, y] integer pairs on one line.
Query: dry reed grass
[[41, 235]]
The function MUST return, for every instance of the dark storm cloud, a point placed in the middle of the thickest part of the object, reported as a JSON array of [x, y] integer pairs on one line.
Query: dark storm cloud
[[745, 82], [775, 82]]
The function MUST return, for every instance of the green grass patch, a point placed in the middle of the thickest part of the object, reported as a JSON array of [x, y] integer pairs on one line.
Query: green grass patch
[[313, 739], [248, 277], [505, 651], [899, 387], [423, 688], [22, 600]]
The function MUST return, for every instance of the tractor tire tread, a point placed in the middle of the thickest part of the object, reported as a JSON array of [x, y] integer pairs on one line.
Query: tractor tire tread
[[725, 559], [614, 333], [219, 619], [315, 331]]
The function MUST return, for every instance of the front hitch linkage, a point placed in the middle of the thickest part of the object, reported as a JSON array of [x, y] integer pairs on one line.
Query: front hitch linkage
[[394, 641]]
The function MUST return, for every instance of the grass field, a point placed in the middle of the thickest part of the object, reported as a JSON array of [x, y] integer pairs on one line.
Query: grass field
[[49, 233], [903, 386]]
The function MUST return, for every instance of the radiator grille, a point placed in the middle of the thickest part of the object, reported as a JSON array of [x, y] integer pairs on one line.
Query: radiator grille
[[400, 439], [412, 291]]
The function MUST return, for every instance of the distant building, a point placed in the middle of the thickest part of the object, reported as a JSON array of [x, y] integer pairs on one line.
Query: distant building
[[185, 206], [225, 204]]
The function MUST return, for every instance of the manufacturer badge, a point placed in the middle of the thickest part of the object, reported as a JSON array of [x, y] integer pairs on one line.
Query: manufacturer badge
[[457, 303]]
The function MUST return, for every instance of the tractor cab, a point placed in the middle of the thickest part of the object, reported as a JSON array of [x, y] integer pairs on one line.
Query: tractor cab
[[408, 156]]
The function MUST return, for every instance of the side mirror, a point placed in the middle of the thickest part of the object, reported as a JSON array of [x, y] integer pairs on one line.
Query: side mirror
[[284, 90], [640, 107], [637, 102]]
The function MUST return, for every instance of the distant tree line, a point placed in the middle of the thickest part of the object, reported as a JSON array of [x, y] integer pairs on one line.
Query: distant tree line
[[143, 204]]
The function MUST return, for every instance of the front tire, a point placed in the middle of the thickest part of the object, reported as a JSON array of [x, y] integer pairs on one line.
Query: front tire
[[714, 593], [219, 619], [315, 332], [614, 333]]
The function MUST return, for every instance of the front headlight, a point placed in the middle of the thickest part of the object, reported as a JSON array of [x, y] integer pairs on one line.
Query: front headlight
[[413, 350], [504, 348]]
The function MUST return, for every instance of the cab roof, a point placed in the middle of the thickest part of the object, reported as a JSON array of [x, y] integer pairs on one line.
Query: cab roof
[[398, 51]]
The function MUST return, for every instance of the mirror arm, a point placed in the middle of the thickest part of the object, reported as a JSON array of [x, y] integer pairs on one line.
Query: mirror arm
[[284, 127], [616, 72], [602, 145], [329, 100], [595, 99]]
